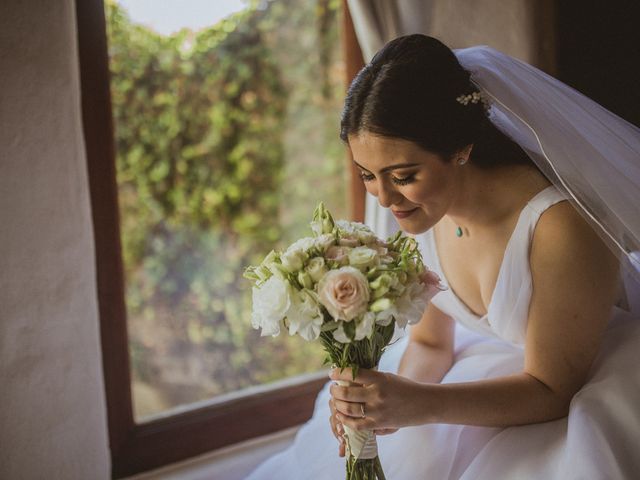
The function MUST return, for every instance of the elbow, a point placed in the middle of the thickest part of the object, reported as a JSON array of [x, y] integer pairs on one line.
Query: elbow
[[560, 408], [557, 402]]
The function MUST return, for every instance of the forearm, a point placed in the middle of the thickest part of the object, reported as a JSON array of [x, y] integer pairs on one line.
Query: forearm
[[425, 364], [514, 400]]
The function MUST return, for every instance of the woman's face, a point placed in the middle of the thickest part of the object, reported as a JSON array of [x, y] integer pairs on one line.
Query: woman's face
[[416, 185]]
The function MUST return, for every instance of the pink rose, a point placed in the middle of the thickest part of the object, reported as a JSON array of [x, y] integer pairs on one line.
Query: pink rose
[[344, 293], [339, 254], [431, 281], [348, 242]]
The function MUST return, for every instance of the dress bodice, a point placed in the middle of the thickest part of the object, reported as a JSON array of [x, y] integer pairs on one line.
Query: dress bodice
[[507, 313]]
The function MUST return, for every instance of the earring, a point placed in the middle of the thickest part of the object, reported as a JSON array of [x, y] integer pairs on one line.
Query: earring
[[462, 161]]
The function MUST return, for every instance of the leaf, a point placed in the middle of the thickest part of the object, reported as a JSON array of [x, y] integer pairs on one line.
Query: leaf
[[350, 329]]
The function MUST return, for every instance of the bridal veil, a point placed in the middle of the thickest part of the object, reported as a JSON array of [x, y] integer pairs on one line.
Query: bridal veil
[[589, 153]]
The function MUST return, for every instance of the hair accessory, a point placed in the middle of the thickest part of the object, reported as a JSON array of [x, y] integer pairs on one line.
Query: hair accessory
[[474, 97]]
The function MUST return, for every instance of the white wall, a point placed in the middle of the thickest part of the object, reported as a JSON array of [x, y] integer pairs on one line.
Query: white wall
[[52, 407]]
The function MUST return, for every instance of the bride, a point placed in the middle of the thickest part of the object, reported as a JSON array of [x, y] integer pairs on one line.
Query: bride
[[526, 367]]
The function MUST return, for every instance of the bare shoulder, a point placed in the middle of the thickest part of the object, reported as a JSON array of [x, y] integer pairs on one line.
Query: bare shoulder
[[563, 237]]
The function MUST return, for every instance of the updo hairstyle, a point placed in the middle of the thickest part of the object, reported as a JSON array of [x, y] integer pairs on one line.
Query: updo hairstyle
[[409, 91]]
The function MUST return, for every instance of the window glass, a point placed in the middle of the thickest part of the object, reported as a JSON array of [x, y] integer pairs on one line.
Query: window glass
[[226, 122]]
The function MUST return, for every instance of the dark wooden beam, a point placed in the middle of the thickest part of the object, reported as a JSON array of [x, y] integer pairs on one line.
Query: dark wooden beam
[[353, 63]]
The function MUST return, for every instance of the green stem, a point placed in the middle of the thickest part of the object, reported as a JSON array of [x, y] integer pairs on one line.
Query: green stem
[[369, 469]]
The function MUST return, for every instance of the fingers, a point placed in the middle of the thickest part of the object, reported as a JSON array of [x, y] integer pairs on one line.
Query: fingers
[[349, 394], [337, 429], [352, 409], [365, 376], [366, 423]]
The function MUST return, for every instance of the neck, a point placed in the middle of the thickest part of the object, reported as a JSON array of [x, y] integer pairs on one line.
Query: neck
[[483, 198]]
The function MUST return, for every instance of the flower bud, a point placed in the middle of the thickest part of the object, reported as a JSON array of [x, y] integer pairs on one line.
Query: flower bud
[[322, 221], [305, 280], [380, 305]]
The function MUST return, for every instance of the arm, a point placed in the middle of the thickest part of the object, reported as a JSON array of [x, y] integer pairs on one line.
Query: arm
[[429, 354], [574, 286]]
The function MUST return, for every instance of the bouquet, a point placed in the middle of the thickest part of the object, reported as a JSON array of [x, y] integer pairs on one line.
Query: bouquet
[[350, 289]]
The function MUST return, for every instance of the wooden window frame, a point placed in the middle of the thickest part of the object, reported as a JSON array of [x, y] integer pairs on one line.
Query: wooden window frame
[[210, 425]]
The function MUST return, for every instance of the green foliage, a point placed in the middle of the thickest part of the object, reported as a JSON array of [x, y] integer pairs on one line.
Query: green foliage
[[226, 139]]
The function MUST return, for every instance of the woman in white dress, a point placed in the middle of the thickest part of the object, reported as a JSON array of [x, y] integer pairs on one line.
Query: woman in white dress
[[526, 367]]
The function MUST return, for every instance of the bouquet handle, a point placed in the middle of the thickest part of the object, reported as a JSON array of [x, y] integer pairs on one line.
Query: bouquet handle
[[360, 444]]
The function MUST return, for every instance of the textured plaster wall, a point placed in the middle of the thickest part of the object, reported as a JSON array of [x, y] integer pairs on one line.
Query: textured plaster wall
[[52, 408]]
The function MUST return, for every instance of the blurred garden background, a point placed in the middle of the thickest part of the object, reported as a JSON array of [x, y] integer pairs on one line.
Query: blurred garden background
[[226, 139]]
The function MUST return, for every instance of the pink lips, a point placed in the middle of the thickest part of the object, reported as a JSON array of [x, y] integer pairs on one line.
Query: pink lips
[[403, 214]]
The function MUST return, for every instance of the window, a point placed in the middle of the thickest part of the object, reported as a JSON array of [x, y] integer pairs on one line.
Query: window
[[145, 436]]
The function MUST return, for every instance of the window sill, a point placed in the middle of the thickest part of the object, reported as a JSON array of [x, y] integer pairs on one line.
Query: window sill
[[231, 463]]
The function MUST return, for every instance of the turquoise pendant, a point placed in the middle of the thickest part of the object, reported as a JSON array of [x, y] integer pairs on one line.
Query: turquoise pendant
[[459, 232]]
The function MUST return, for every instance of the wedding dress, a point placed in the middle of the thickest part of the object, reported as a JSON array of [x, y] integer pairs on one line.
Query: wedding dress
[[599, 439]]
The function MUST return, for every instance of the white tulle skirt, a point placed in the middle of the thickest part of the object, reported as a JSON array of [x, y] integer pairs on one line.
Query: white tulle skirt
[[600, 439]]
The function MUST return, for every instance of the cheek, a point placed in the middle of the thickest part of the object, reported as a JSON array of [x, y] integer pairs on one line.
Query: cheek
[[422, 194], [431, 197]]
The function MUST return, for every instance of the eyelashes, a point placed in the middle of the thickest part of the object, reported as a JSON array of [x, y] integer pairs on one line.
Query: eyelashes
[[398, 181]]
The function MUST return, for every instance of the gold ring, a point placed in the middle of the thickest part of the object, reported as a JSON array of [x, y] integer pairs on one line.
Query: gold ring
[[362, 410]]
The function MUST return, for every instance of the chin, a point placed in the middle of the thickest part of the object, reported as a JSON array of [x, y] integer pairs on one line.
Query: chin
[[416, 223], [414, 228]]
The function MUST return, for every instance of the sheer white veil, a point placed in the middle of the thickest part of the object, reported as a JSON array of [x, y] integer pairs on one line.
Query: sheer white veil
[[589, 153]]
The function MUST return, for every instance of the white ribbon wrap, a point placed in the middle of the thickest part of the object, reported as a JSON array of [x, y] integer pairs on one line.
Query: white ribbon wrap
[[361, 444]]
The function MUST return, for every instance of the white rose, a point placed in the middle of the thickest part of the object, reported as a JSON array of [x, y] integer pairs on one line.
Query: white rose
[[323, 242], [304, 244], [270, 304], [293, 260], [316, 268], [304, 316], [362, 257], [357, 230], [344, 293]]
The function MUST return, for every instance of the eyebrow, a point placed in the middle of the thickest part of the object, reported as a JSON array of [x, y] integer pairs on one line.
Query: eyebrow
[[390, 167]]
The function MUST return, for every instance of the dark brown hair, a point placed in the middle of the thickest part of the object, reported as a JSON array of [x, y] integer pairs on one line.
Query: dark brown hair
[[409, 91]]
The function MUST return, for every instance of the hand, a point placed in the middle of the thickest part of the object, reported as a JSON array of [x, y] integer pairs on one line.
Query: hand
[[338, 429], [390, 401]]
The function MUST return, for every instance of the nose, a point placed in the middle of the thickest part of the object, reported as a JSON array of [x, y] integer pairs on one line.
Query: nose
[[387, 195]]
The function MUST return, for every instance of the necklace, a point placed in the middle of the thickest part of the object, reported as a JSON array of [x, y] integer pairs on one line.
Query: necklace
[[459, 232]]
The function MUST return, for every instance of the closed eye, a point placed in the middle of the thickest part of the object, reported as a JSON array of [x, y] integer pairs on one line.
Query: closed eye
[[367, 177]]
